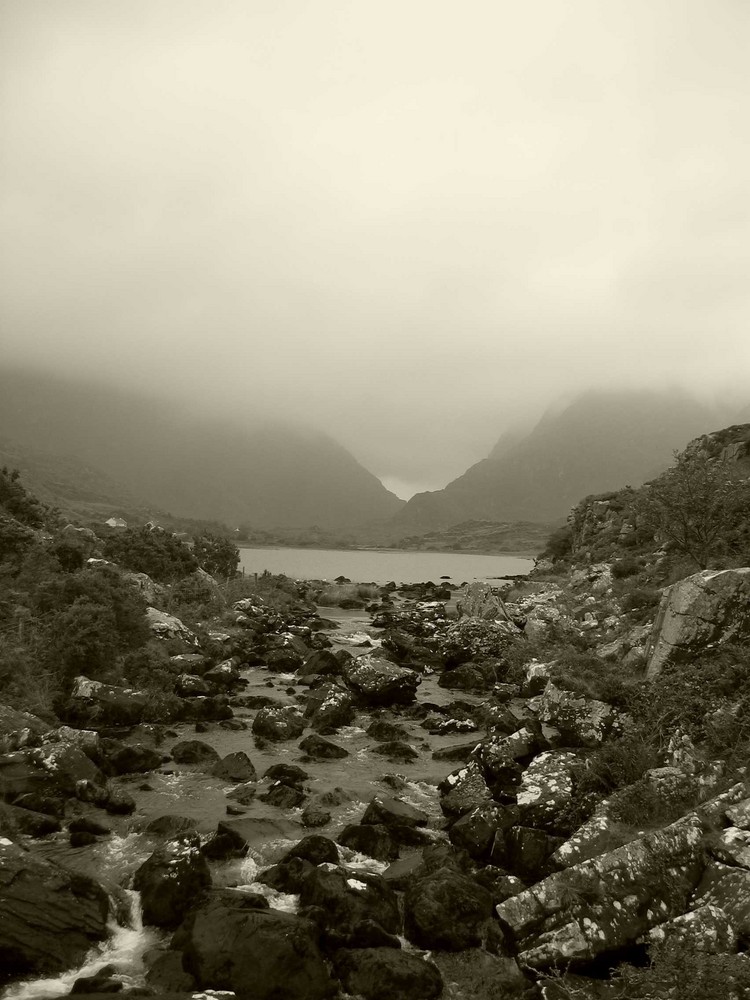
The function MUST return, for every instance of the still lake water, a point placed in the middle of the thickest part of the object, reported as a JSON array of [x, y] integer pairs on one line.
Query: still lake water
[[382, 565]]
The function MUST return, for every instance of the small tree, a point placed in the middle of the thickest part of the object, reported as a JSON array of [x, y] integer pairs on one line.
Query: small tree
[[700, 505], [216, 555]]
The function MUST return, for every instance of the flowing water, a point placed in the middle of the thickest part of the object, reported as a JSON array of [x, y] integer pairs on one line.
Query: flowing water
[[178, 790]]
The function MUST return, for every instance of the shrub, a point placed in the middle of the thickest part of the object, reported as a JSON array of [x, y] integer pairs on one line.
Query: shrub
[[627, 566], [559, 544], [216, 555], [155, 552]]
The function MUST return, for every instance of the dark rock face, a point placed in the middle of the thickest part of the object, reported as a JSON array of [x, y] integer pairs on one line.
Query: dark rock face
[[263, 954], [346, 907], [170, 880], [19, 729], [314, 848], [372, 839], [393, 812], [321, 662], [321, 749], [447, 910], [124, 758], [197, 753], [235, 767], [50, 916], [379, 973], [14, 821]]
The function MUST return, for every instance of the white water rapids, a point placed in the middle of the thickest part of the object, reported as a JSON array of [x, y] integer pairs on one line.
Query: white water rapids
[[123, 950]]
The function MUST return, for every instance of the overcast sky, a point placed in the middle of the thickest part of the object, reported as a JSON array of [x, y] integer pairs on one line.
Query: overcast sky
[[409, 222]]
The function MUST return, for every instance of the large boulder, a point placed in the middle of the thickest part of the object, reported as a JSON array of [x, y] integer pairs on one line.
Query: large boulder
[[702, 610], [258, 953], [607, 902], [380, 973], [98, 705], [547, 787], [380, 682], [277, 724], [170, 880], [51, 917], [165, 626], [447, 910], [354, 909], [329, 707], [19, 729], [582, 722], [480, 601]]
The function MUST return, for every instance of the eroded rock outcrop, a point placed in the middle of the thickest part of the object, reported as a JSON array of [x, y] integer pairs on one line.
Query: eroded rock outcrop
[[702, 610]]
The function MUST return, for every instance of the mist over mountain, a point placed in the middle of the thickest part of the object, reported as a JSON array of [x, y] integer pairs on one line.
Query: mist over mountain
[[265, 474], [600, 441]]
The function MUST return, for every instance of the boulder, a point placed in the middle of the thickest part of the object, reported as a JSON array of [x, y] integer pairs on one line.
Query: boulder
[[607, 902], [706, 609], [314, 848], [329, 707], [19, 729], [393, 812], [582, 722], [471, 676], [199, 755], [447, 910], [373, 839], [480, 601], [380, 682], [51, 917], [235, 767], [191, 686], [380, 973], [258, 953], [397, 751], [320, 749], [128, 758], [223, 675], [547, 787], [707, 928], [499, 756], [350, 909], [164, 626], [170, 880], [15, 821], [464, 790], [278, 724], [480, 831], [98, 705], [322, 661], [728, 889]]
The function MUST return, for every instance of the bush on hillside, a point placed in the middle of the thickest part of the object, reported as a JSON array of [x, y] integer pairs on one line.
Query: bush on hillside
[[155, 552], [216, 555], [699, 506], [17, 502], [559, 544]]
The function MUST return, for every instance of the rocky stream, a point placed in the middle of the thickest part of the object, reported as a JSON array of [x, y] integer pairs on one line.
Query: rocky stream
[[350, 803]]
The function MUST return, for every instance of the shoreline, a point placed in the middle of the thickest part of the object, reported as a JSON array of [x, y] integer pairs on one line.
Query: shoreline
[[376, 548]]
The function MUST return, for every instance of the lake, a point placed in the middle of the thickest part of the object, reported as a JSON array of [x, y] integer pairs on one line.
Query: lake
[[381, 565]]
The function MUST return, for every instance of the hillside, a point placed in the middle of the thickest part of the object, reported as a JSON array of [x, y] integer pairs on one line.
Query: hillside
[[597, 443], [264, 475]]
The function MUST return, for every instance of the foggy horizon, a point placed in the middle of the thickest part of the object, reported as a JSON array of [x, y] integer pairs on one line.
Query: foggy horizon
[[411, 226]]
